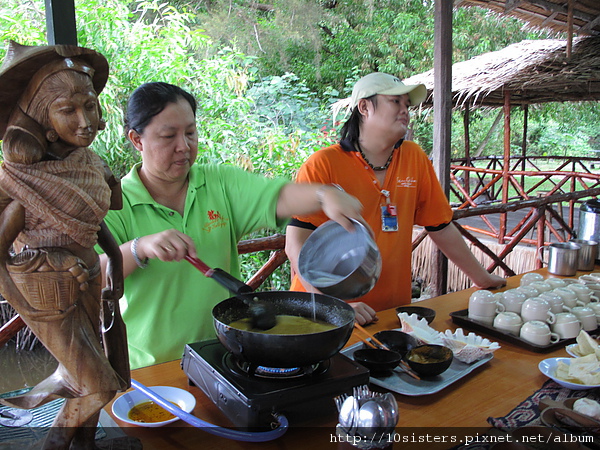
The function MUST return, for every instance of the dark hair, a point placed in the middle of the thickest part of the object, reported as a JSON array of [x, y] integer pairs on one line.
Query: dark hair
[[351, 129], [149, 100]]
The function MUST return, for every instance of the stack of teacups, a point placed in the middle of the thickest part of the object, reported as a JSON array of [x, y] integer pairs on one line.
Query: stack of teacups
[[540, 311], [592, 281], [483, 306]]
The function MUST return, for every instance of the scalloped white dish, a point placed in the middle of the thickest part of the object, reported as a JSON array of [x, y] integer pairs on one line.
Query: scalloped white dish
[[548, 367], [468, 348], [419, 328]]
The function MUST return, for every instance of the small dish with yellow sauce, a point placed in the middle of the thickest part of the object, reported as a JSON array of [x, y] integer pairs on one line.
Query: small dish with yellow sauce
[[135, 408]]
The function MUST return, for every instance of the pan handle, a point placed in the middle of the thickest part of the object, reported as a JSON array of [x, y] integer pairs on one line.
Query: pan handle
[[220, 276]]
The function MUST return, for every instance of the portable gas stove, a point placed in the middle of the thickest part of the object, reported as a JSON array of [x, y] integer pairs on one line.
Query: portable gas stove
[[250, 395]]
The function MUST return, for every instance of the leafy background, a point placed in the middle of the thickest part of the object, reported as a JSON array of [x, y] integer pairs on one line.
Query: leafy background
[[265, 74]]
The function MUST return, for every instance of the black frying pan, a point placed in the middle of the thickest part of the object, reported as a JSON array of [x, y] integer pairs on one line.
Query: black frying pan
[[285, 350], [282, 350]]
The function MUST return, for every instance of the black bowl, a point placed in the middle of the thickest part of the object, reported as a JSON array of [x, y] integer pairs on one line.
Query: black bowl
[[397, 341], [429, 360], [377, 360], [421, 312]]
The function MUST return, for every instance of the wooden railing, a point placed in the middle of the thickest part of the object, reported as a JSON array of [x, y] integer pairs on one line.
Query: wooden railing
[[486, 181]]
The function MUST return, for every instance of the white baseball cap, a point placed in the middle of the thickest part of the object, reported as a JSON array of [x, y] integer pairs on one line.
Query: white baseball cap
[[385, 84]]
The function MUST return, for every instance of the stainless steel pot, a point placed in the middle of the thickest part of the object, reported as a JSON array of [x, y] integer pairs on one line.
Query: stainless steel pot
[[339, 263], [589, 221]]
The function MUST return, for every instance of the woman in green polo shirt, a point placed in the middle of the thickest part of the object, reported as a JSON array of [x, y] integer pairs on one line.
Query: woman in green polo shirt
[[173, 207]]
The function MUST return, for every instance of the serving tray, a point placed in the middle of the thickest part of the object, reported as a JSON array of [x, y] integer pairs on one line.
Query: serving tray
[[462, 318], [402, 383]]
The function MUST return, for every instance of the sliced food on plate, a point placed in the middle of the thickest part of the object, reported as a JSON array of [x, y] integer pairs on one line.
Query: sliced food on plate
[[586, 345], [584, 370]]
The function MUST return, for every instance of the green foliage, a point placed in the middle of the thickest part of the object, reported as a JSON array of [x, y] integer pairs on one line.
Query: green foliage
[[265, 77]]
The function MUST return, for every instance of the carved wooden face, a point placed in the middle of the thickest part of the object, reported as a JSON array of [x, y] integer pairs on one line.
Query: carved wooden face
[[75, 113]]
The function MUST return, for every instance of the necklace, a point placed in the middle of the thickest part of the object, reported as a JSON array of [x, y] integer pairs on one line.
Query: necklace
[[376, 168]]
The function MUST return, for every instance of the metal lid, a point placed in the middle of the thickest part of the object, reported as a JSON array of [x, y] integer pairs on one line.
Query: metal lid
[[592, 205]]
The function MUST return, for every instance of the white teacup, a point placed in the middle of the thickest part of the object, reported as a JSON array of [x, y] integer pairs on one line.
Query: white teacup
[[596, 308], [508, 321], [556, 282], [512, 300], [586, 316], [569, 297], [484, 304], [537, 309], [556, 302], [567, 325], [584, 293], [530, 277], [595, 287], [528, 291], [541, 286], [488, 320], [590, 278], [538, 332]]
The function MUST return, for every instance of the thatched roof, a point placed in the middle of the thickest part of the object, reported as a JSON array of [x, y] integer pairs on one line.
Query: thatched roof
[[533, 72], [551, 14]]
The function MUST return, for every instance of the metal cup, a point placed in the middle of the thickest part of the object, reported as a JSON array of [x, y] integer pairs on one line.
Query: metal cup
[[563, 258], [587, 254]]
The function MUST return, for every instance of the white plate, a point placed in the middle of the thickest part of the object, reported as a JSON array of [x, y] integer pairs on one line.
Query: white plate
[[548, 368], [128, 400], [569, 349]]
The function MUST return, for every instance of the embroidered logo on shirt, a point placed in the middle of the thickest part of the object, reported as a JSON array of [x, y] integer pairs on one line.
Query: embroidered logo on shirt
[[408, 182], [215, 221]]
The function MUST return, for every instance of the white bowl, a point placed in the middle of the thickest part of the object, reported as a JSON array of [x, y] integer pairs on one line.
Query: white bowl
[[128, 400], [548, 368]]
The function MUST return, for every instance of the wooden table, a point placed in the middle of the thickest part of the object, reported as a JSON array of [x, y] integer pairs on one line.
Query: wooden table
[[492, 390]]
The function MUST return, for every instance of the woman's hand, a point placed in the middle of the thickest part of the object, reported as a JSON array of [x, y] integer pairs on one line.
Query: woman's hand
[[168, 245], [299, 199], [339, 206], [364, 313]]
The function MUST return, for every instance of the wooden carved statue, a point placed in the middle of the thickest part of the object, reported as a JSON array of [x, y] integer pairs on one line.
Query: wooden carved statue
[[54, 194]]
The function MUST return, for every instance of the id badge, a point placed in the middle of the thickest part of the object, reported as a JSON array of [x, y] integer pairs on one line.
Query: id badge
[[389, 218]]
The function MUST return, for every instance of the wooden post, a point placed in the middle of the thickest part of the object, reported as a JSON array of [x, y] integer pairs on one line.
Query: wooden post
[[505, 165], [442, 118], [524, 141], [60, 22], [466, 120]]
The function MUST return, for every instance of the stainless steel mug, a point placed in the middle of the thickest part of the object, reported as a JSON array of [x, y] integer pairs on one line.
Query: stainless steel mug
[[587, 254], [563, 258], [589, 221]]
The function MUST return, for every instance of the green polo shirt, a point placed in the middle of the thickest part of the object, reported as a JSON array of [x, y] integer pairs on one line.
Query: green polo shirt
[[168, 304]]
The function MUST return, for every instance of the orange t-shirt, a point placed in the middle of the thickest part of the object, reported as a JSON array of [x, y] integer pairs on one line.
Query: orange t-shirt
[[414, 190]]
